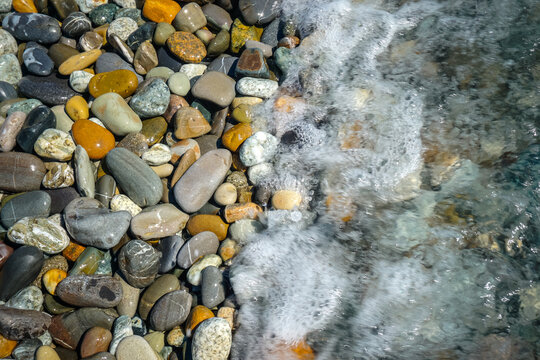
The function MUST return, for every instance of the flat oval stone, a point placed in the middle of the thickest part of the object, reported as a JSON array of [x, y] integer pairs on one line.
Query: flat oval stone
[[216, 88], [95, 139], [134, 176], [171, 310], [46, 353], [76, 24], [90, 290], [37, 121], [139, 263], [33, 203], [263, 88], [194, 272], [20, 172], [187, 47], [89, 223], [135, 348], [60, 52], [212, 340], [169, 247], [10, 70], [54, 144], [190, 192], [95, 340], [79, 61], [213, 290], [20, 270], [202, 244], [160, 10], [151, 99], [116, 114], [219, 44], [84, 171], [123, 82], [158, 221], [17, 324], [42, 233], [207, 222], [259, 12], [51, 90], [163, 285], [32, 27], [37, 61]]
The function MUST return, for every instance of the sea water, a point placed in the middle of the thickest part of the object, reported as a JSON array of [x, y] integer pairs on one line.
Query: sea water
[[415, 147]]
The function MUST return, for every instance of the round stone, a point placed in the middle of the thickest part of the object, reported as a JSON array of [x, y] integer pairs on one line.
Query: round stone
[[130, 298], [88, 5], [158, 221], [54, 144], [95, 340], [143, 34], [135, 348], [225, 194], [79, 80], [123, 82], [179, 84], [162, 72], [207, 222], [186, 46], [162, 33], [76, 24], [215, 87], [33, 203], [95, 139], [235, 136], [212, 340], [190, 123], [122, 27], [46, 352], [258, 148], [37, 61], [8, 44], [139, 263], [163, 285], [219, 44], [286, 199], [260, 172], [151, 99], [42, 233]]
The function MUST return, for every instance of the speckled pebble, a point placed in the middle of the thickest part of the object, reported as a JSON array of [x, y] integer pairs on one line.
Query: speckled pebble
[[79, 79], [122, 27], [41, 233], [60, 175], [157, 155], [212, 340], [55, 144], [193, 70], [263, 88], [258, 148], [122, 202]]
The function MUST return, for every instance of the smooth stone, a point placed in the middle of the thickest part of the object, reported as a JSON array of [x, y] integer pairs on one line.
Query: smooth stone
[[142, 34], [88, 262], [163, 285], [32, 27], [225, 194], [252, 64], [37, 121], [130, 299], [37, 61], [61, 52], [156, 340], [10, 70], [101, 356], [218, 122], [116, 114], [145, 58], [190, 18], [154, 129], [217, 17], [179, 84], [121, 47], [162, 32], [29, 298], [193, 70], [79, 80], [90, 223], [194, 272], [219, 44], [54, 144], [17, 324], [84, 172], [134, 176], [151, 99], [259, 12], [64, 7], [186, 46], [105, 188], [137, 143], [207, 222], [200, 245], [171, 310], [121, 202], [26, 349], [158, 221], [95, 340], [215, 87], [241, 230], [181, 147], [169, 247], [212, 340], [52, 278], [189, 123], [162, 72], [68, 329], [90, 290], [260, 172], [258, 148], [76, 24], [95, 139], [60, 198], [34, 203], [228, 249], [167, 59], [63, 121], [240, 33], [225, 64], [8, 44], [103, 14], [7, 91], [208, 143], [24, 106], [123, 82], [42, 233], [88, 5], [6, 251], [139, 263], [190, 193], [139, 326], [122, 27], [110, 61], [135, 348], [263, 88], [213, 290], [122, 329], [51, 90], [47, 353], [20, 172], [198, 314], [90, 40], [59, 175], [265, 48]]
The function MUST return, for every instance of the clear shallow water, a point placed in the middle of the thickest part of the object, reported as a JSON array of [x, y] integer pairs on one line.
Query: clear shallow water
[[419, 128]]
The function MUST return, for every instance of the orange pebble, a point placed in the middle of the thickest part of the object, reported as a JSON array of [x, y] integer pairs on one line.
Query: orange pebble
[[286, 103], [197, 315], [160, 10], [299, 351], [72, 251], [6, 347], [203, 222], [52, 278], [237, 212], [24, 6], [123, 82], [95, 139], [235, 136], [77, 108]]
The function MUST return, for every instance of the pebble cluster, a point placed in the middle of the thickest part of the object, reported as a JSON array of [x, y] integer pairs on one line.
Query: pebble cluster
[[126, 135]]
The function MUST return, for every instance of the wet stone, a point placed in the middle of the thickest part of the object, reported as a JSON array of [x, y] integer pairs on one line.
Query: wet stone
[[139, 326], [7, 91], [79, 80], [88, 262], [20, 270], [142, 34], [213, 289], [37, 61], [26, 349], [95, 340], [122, 329], [215, 87], [122, 27], [59, 175], [252, 64], [194, 272], [54, 144], [10, 70], [116, 114], [52, 278], [123, 82], [171, 310], [51, 90], [207, 222], [8, 44], [151, 99], [139, 263], [20, 172], [145, 58], [135, 348], [32, 27], [163, 285], [186, 46], [84, 172], [76, 24], [154, 129], [190, 18], [90, 290], [164, 73], [158, 221], [89, 223], [217, 17], [17, 324], [259, 12], [212, 340], [258, 148], [190, 123], [103, 14], [29, 298], [105, 188], [33, 203], [202, 244], [41, 233], [224, 64], [240, 33]]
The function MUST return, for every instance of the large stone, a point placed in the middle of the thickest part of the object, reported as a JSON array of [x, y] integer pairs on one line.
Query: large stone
[[33, 203], [10, 70], [51, 90], [259, 12], [158, 221], [213, 289], [42, 233], [17, 324], [116, 114], [163, 285], [38, 120], [169, 247], [32, 27], [20, 172], [190, 123], [190, 192], [216, 88], [90, 290], [171, 310], [190, 18], [135, 348], [21, 268], [139, 263], [217, 17], [186, 46]]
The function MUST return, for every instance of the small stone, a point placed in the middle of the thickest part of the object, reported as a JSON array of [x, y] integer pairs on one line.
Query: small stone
[[122, 27], [227, 313], [121, 202], [87, 262], [241, 230], [46, 352], [116, 114], [234, 137], [90, 290], [8, 44], [217, 17], [215, 87], [33, 203], [200, 245], [219, 44], [212, 340], [79, 80], [258, 148], [162, 72], [169, 247], [228, 249], [259, 12], [181, 147], [160, 10], [205, 222], [128, 305], [197, 315], [84, 171], [179, 84], [139, 263], [10, 70], [52, 278], [103, 14], [54, 144], [122, 329], [151, 99], [158, 154], [286, 200], [190, 18], [225, 194], [61, 175], [41, 233], [123, 82], [260, 172], [145, 58], [76, 24], [158, 221], [29, 298], [175, 337], [190, 123], [90, 40], [194, 272], [139, 327], [96, 140], [38, 120], [187, 47], [37, 61], [137, 143], [193, 70], [252, 64], [263, 88], [162, 33], [9, 130], [237, 212], [171, 310], [135, 348], [88, 5], [156, 340], [95, 340], [213, 290], [240, 33]]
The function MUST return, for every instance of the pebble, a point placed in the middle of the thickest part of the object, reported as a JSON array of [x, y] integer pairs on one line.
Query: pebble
[[215, 87], [179, 83], [8, 44], [76, 24], [169, 247], [189, 123], [135, 348], [134, 176], [41, 233], [265, 48], [225, 194], [242, 229], [96, 140], [26, 349], [20, 269], [33, 203], [260, 172], [46, 353], [129, 302], [151, 99], [235, 136], [37, 121], [160, 10], [89, 223], [60, 175], [186, 46], [52, 278], [175, 337], [156, 340], [122, 27], [29, 298], [212, 340], [122, 329], [163, 285], [10, 70], [190, 193], [190, 18], [88, 5], [259, 12], [167, 59], [219, 44], [154, 129], [194, 272], [79, 80], [227, 313], [162, 32], [90, 290], [258, 148], [90, 40], [263, 88], [123, 82], [84, 172], [63, 122], [228, 249], [7, 91], [103, 14], [240, 33], [252, 63], [197, 315], [145, 58], [237, 212], [95, 340], [24, 106], [181, 147], [32, 27], [79, 61], [51, 90], [162, 72], [54, 144], [286, 199], [137, 143], [200, 245], [60, 198], [224, 63], [139, 326], [139, 263], [121, 202], [17, 324], [158, 221], [125, 3], [171, 310], [9, 130], [20, 172], [217, 17], [142, 35], [205, 222], [213, 290], [87, 262], [116, 114], [6, 251], [37, 61]]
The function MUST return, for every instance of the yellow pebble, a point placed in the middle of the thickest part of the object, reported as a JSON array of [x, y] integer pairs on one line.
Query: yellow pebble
[[52, 278], [79, 61], [46, 353], [286, 199], [77, 108]]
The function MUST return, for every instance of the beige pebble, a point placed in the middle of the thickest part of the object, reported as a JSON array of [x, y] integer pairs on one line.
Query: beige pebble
[[286, 199], [122, 202], [248, 100], [225, 194], [59, 175], [9, 130], [228, 249], [175, 337], [163, 170], [182, 146], [46, 353], [55, 144], [227, 313], [158, 154]]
